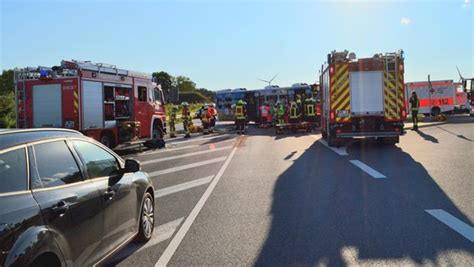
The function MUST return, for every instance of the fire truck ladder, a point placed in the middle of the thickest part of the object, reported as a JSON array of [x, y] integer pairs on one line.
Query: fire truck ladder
[[20, 97], [391, 76]]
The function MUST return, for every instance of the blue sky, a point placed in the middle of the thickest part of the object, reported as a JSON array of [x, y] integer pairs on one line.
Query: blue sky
[[229, 44]]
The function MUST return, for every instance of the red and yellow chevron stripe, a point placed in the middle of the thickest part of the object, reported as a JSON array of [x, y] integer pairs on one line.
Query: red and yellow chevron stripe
[[340, 91], [75, 101], [392, 99]]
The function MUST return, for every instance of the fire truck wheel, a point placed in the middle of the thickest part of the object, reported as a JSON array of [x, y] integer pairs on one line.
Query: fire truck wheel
[[107, 140], [324, 134], [435, 111]]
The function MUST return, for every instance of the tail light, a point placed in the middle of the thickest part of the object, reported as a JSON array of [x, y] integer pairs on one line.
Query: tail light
[[331, 70], [397, 129], [338, 131], [332, 115], [404, 114]]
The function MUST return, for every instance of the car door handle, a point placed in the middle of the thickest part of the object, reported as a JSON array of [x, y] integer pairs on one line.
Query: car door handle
[[61, 208], [109, 194]]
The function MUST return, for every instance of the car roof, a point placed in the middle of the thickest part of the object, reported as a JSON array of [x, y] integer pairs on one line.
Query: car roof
[[14, 137]]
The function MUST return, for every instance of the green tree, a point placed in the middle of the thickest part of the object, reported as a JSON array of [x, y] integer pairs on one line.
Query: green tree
[[185, 84], [7, 110], [7, 84], [207, 93], [164, 79], [7, 99]]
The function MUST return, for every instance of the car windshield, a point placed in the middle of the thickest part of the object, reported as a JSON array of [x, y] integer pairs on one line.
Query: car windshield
[[257, 132]]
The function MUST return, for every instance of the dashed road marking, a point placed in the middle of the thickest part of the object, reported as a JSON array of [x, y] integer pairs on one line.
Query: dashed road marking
[[454, 223], [178, 238], [185, 155], [187, 166], [367, 169], [341, 151], [184, 186]]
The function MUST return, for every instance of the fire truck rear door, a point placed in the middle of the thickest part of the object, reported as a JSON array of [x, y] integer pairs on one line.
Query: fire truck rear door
[[47, 105], [367, 93]]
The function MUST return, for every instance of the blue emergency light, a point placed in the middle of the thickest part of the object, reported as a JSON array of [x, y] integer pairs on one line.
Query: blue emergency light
[[43, 73]]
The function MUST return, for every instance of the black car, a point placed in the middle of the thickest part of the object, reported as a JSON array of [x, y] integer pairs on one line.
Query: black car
[[67, 200]]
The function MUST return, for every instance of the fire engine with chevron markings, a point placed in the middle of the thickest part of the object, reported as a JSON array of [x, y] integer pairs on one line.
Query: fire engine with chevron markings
[[114, 106], [362, 98]]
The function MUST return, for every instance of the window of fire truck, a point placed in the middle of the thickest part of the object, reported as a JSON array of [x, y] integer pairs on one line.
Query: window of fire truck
[[142, 93], [158, 96]]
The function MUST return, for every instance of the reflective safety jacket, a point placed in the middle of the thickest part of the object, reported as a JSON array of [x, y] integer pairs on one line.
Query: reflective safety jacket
[[309, 109], [294, 111], [185, 114], [281, 110], [173, 115], [239, 112], [415, 103]]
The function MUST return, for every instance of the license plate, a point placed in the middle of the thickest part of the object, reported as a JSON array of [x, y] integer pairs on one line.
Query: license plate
[[342, 113]]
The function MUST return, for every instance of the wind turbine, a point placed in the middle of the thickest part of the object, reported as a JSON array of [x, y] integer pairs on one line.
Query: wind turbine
[[270, 81]]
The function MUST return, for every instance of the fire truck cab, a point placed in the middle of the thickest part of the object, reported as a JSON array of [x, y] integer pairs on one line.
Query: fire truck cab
[[362, 98], [114, 106]]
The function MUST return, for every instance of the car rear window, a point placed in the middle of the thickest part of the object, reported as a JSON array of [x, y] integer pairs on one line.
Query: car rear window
[[13, 175], [54, 165]]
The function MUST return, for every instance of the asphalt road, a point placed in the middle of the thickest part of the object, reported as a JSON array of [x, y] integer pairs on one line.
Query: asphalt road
[[269, 200]]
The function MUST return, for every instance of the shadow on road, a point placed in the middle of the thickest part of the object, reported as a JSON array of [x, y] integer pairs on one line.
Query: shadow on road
[[426, 136], [455, 134], [326, 211]]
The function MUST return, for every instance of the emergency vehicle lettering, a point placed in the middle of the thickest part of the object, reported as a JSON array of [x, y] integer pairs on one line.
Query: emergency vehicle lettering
[[436, 102]]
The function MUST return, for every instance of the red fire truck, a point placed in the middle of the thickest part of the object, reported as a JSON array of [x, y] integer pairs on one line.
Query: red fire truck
[[362, 97], [112, 105]]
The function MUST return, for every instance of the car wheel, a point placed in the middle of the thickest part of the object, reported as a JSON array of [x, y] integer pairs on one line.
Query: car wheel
[[147, 219], [435, 111]]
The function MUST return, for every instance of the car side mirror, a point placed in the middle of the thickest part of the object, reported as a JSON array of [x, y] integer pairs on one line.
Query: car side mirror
[[132, 165]]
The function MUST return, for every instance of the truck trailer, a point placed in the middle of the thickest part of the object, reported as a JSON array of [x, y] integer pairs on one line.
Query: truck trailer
[[363, 98]]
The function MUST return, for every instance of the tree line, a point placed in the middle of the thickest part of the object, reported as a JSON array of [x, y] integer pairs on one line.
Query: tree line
[[187, 89]]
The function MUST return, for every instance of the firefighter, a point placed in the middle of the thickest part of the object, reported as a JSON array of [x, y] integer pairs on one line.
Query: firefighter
[[213, 116], [186, 116], [274, 112], [294, 112], [415, 105], [309, 114], [269, 114], [281, 113], [263, 115], [205, 119], [172, 121], [240, 116]]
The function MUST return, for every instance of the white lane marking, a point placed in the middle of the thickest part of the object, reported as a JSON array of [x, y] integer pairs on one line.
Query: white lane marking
[[185, 155], [195, 139], [160, 234], [367, 169], [166, 150], [187, 166], [454, 223], [178, 238], [341, 151], [181, 187]]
